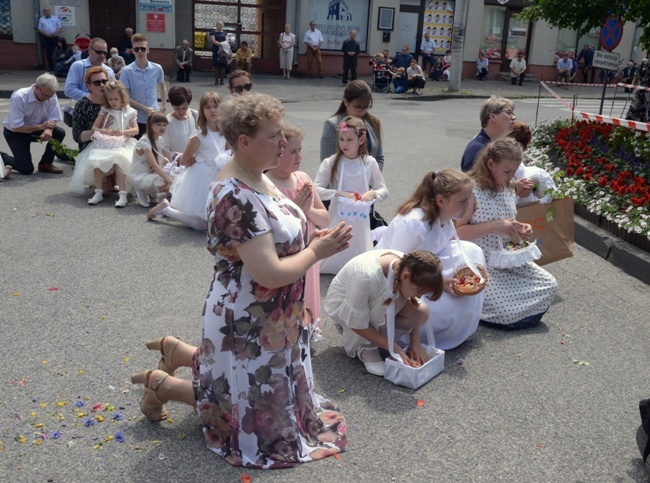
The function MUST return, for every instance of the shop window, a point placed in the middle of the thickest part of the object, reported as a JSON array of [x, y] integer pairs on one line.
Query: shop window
[[6, 28], [492, 33], [566, 42]]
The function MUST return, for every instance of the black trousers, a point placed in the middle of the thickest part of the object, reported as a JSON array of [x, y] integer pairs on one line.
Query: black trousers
[[349, 65], [49, 44], [20, 144], [183, 75]]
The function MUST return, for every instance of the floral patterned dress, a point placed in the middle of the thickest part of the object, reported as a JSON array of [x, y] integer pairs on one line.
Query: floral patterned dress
[[252, 372]]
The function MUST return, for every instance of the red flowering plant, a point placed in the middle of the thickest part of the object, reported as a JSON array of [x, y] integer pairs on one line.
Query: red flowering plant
[[602, 167]]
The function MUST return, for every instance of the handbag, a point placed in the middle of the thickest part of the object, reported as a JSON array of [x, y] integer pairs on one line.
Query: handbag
[[67, 115], [553, 228], [395, 370]]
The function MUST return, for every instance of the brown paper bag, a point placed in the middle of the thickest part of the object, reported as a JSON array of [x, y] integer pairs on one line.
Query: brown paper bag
[[552, 228]]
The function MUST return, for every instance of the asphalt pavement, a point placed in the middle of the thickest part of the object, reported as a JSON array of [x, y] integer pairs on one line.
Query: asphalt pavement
[[82, 288]]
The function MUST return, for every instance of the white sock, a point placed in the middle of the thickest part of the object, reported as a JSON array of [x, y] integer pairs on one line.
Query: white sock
[[97, 198], [195, 222]]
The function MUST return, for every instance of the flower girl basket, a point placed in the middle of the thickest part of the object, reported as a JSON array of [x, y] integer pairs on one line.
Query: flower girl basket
[[467, 270], [505, 258], [395, 370], [106, 141], [349, 209]]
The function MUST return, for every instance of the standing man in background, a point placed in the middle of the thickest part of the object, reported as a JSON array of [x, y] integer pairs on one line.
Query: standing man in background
[[49, 27], [313, 39], [351, 52]]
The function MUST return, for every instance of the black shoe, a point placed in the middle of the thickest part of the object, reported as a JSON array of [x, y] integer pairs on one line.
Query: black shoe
[[345, 82], [320, 76]]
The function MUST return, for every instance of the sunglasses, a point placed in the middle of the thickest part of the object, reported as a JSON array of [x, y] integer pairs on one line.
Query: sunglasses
[[245, 87], [101, 52], [139, 49], [98, 83]]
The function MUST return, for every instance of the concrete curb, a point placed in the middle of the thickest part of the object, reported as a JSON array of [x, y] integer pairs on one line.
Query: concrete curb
[[621, 254]]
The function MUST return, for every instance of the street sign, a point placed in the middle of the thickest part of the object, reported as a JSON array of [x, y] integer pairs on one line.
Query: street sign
[[611, 33], [607, 60]]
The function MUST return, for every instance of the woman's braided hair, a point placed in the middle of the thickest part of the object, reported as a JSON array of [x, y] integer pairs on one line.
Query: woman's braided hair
[[426, 273]]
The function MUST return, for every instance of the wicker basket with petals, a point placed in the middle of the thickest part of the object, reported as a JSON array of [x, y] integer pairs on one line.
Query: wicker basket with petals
[[467, 282]]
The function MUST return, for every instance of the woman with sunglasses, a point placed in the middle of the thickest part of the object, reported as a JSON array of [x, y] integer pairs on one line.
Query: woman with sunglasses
[[85, 113], [357, 101], [240, 82]]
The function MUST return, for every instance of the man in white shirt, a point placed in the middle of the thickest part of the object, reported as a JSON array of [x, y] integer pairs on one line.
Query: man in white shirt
[[49, 27], [313, 39], [564, 66], [33, 113], [427, 48], [518, 69], [75, 85]]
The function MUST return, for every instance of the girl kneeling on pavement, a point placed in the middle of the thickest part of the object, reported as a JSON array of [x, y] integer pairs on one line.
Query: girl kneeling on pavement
[[357, 299]]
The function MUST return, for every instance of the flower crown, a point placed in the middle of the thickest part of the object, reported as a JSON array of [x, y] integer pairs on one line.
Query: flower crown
[[344, 128]]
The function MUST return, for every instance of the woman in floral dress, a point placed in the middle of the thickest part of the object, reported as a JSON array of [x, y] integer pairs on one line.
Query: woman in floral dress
[[253, 385]]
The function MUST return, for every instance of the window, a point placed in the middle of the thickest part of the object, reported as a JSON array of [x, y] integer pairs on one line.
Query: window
[[6, 29], [566, 42], [492, 36]]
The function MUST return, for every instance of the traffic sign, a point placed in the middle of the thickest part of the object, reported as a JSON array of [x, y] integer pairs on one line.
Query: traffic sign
[[611, 33], [607, 60]]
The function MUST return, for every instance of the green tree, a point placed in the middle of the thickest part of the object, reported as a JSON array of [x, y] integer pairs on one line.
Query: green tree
[[583, 15]]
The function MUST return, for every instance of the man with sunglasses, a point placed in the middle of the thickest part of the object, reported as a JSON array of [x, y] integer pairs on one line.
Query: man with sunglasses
[[141, 79], [75, 86], [33, 114]]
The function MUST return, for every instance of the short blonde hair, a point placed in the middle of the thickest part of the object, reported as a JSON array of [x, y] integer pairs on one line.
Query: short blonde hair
[[243, 115], [291, 131], [494, 105]]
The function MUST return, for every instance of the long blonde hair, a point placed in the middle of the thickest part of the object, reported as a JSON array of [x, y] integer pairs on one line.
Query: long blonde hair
[[504, 149], [446, 183], [202, 122], [359, 126]]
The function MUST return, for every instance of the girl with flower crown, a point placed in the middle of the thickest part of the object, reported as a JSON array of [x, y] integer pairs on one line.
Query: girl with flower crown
[[350, 174]]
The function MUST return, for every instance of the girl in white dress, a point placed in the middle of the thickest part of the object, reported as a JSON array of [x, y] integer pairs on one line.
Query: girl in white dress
[[204, 155], [149, 156], [515, 298], [182, 124], [356, 176], [357, 299], [425, 222], [111, 148]]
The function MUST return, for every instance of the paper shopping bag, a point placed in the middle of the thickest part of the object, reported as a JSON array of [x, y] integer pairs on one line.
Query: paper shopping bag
[[552, 228]]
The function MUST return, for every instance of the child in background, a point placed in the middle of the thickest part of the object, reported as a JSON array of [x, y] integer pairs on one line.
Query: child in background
[[353, 172], [515, 298], [204, 156], [182, 124], [111, 148], [298, 187], [150, 155], [426, 222], [357, 299]]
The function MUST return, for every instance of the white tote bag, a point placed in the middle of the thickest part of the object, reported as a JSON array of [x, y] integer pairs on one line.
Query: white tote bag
[[395, 370], [349, 209]]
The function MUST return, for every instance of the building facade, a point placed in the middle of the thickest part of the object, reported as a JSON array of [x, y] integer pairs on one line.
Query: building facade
[[492, 26]]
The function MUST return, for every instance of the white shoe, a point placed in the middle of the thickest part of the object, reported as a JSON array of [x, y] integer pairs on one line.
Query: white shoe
[[143, 199], [370, 358], [121, 203], [97, 198]]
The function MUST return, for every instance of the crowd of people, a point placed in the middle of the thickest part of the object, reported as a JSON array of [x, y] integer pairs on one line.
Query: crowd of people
[[231, 169]]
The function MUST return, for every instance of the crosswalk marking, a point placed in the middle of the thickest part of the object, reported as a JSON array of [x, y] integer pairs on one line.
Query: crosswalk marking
[[585, 105]]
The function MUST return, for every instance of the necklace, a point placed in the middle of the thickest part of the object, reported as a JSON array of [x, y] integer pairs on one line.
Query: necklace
[[259, 184]]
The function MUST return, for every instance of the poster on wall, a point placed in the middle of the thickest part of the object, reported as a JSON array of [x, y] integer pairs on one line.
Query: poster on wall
[[335, 20], [66, 15], [164, 6], [439, 23], [156, 23]]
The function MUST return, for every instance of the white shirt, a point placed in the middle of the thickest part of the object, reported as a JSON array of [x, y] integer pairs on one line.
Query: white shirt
[[313, 37], [49, 25], [427, 46], [518, 66], [26, 110]]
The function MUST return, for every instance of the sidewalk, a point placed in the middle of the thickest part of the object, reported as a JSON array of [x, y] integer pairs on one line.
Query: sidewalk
[[623, 255]]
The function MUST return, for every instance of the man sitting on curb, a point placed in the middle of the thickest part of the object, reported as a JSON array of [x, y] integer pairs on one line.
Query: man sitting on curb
[[33, 113], [564, 66]]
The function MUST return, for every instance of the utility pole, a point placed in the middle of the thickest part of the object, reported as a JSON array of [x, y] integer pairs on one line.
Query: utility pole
[[457, 45]]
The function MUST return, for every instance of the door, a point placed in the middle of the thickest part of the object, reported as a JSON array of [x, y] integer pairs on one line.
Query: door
[[109, 19], [516, 39], [407, 31], [259, 22]]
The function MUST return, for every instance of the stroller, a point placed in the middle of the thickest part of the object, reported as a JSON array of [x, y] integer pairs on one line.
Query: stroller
[[380, 80]]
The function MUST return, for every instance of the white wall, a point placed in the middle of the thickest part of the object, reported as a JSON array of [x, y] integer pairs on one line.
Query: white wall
[[542, 45]]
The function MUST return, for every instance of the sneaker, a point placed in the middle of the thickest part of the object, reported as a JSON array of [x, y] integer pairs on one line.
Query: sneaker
[[97, 198], [143, 199]]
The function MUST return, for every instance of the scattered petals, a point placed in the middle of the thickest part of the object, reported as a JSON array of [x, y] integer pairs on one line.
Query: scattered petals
[[337, 456], [53, 289], [21, 439], [89, 422], [541, 445], [119, 437], [56, 434], [108, 438], [100, 419], [170, 420], [43, 362], [97, 446], [245, 478], [117, 417], [182, 436], [98, 407], [60, 404], [39, 425], [460, 361], [420, 403], [161, 456], [82, 372], [16, 294], [43, 405], [22, 382], [80, 404], [341, 391], [126, 359]]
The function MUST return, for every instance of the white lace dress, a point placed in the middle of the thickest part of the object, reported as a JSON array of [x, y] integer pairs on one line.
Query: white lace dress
[[191, 188], [96, 155], [513, 294], [453, 318]]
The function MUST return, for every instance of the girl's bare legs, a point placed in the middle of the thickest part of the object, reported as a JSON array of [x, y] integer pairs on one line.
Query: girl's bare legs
[[99, 179], [164, 208], [120, 178]]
